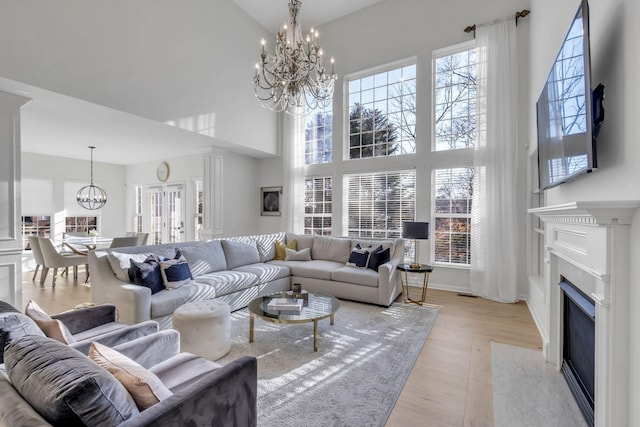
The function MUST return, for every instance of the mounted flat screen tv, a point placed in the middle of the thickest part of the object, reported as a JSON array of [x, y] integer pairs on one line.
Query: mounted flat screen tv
[[569, 113]]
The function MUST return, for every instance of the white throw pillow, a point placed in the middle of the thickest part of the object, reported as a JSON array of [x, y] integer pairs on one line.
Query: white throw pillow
[[120, 263], [301, 255], [53, 328], [143, 385]]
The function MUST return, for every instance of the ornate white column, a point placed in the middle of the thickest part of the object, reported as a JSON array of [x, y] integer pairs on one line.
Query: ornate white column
[[10, 176], [213, 180]]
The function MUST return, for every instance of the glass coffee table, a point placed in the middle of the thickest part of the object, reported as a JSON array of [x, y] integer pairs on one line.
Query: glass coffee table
[[319, 307]]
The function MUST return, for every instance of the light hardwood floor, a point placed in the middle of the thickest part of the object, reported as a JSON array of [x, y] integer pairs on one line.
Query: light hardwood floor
[[450, 384]]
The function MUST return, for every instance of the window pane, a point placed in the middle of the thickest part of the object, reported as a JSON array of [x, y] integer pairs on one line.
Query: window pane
[[454, 98], [382, 114], [378, 203], [317, 199], [452, 232], [318, 135]]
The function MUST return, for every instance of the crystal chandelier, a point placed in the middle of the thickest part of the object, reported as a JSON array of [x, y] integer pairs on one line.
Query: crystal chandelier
[[91, 196], [294, 78]]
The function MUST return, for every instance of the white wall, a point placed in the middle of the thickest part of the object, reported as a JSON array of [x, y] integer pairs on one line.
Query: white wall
[[240, 190], [615, 55], [386, 32], [188, 62], [108, 176]]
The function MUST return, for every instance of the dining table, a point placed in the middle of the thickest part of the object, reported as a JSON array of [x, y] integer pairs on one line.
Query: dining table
[[82, 245]]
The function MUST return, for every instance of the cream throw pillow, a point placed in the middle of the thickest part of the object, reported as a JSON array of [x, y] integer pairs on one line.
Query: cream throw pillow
[[144, 386], [280, 248], [52, 328], [301, 255]]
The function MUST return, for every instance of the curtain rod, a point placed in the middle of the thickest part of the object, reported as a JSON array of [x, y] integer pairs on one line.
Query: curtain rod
[[521, 14]]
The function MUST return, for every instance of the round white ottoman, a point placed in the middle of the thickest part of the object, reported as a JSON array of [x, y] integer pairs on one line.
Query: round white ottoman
[[205, 328]]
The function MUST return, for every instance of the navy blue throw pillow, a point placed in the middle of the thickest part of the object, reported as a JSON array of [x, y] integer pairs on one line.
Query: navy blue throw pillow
[[378, 257], [147, 273], [359, 256]]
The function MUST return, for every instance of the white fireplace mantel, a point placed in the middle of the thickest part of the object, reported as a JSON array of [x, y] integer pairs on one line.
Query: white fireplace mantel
[[595, 213], [588, 244]]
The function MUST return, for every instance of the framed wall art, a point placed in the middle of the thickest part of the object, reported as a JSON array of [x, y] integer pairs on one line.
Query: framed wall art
[[270, 201]]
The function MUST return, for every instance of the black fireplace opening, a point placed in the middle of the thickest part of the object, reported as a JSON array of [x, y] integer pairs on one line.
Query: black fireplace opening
[[579, 330]]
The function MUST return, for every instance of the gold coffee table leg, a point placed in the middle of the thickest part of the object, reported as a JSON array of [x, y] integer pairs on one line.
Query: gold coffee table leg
[[331, 320], [315, 335], [251, 322]]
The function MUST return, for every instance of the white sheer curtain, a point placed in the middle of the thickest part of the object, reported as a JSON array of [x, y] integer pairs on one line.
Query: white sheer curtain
[[494, 223], [293, 175]]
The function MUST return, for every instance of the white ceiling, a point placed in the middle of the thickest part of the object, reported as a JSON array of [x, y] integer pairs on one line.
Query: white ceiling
[[273, 13], [58, 125]]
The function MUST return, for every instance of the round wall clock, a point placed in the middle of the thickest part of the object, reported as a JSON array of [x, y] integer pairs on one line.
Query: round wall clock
[[162, 172]]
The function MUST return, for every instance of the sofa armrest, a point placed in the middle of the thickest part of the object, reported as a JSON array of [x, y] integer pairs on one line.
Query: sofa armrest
[[152, 349], [87, 318], [133, 302], [225, 397], [119, 336], [388, 278]]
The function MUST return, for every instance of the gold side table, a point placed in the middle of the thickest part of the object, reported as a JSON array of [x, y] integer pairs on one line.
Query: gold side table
[[406, 269]]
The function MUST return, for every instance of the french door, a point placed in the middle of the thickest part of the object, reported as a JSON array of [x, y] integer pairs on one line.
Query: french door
[[166, 208]]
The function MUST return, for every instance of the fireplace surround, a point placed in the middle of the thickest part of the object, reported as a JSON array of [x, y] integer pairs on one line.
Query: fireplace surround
[[587, 243]]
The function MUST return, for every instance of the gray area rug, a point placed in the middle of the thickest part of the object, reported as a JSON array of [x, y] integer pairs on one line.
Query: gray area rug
[[354, 379], [527, 392]]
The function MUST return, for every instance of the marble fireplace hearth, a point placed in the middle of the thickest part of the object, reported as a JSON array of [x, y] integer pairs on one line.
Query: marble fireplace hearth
[[588, 243]]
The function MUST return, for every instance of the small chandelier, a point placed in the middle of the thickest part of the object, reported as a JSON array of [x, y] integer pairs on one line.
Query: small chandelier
[[91, 196], [294, 78]]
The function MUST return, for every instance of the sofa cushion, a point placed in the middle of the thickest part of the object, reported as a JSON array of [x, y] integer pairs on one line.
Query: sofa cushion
[[14, 410], [301, 255], [147, 274], [14, 325], [240, 253], [358, 276], [227, 282], [303, 241], [359, 256], [331, 249], [266, 272], [144, 386], [314, 269], [378, 257], [98, 331], [165, 302], [266, 245], [120, 263], [375, 243], [205, 258], [281, 248], [53, 328], [65, 386], [183, 370], [175, 271]]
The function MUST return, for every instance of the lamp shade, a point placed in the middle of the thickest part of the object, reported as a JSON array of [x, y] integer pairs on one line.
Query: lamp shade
[[415, 230]]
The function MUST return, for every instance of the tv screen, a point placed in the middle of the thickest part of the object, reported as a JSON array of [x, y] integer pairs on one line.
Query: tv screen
[[566, 141]]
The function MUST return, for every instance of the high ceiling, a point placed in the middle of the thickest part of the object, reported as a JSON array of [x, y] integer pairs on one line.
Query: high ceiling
[[273, 13], [58, 125]]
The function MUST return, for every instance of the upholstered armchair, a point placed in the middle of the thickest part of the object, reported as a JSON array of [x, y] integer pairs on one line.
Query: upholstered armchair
[[51, 384], [96, 323]]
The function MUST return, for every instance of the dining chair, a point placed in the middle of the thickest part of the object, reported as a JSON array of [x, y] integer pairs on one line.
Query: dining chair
[[120, 242], [142, 238], [37, 255], [53, 259]]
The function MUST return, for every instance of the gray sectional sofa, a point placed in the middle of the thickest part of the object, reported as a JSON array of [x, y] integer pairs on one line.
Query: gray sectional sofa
[[238, 269]]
